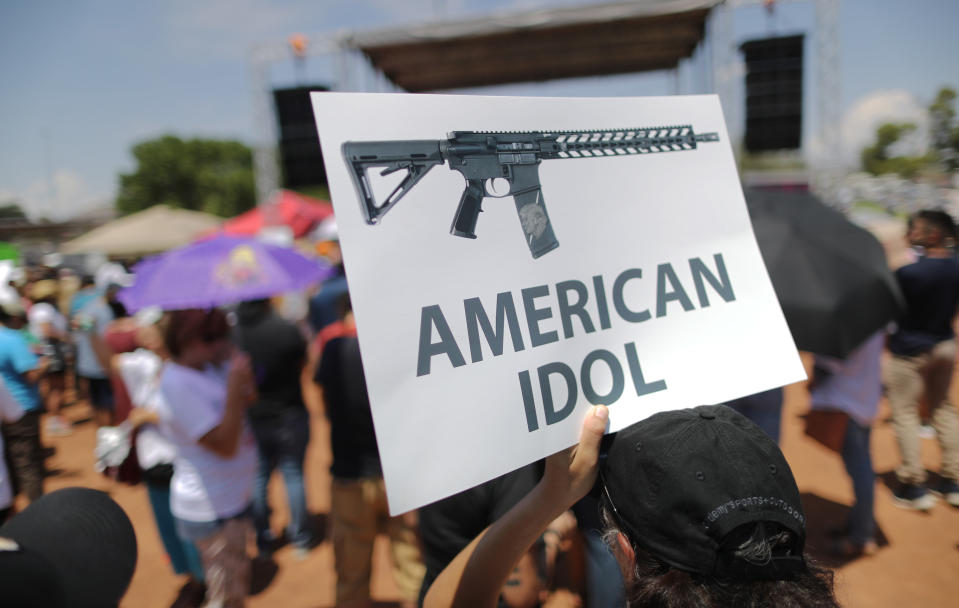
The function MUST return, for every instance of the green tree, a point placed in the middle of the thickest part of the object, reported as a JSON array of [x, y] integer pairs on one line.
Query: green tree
[[877, 158], [943, 129], [11, 210], [199, 174]]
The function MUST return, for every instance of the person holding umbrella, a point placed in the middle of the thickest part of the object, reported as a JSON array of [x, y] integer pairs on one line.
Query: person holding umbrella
[[206, 388], [923, 351], [838, 295], [845, 396]]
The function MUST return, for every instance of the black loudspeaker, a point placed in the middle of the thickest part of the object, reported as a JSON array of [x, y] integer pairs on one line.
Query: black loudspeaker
[[300, 156], [774, 91]]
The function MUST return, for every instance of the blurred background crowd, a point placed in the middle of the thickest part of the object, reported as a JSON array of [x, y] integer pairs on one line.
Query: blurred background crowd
[[175, 323]]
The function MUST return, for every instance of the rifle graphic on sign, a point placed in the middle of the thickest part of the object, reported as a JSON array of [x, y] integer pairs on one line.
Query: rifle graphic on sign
[[514, 156]]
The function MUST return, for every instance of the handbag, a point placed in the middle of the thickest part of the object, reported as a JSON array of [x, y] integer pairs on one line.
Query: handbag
[[827, 427]]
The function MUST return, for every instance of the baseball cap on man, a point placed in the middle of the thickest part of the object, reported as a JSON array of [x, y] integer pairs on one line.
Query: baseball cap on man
[[73, 547], [687, 485]]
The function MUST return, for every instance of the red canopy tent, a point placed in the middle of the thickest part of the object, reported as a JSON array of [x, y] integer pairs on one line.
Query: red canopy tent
[[285, 208]]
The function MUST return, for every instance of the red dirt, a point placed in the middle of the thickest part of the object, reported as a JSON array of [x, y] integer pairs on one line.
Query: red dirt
[[917, 564]]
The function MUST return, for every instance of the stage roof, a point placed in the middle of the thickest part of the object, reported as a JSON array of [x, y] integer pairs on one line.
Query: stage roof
[[591, 40]]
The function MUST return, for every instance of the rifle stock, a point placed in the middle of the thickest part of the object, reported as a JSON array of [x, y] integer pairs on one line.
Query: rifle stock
[[416, 157]]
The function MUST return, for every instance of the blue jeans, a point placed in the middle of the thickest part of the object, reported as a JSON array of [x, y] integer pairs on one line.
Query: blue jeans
[[183, 554], [765, 409], [282, 442], [856, 457]]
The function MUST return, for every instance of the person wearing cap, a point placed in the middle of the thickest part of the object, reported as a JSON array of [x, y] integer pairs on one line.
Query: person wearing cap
[[21, 370], [700, 507], [75, 548]]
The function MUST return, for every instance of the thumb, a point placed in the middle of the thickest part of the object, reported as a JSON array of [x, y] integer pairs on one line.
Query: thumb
[[583, 466], [594, 427], [586, 453]]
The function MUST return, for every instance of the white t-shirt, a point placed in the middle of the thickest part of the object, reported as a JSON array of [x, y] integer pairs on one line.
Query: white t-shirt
[[41, 313], [140, 371], [10, 411], [205, 486]]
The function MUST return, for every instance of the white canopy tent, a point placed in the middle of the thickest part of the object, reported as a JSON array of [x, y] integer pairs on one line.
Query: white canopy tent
[[153, 230]]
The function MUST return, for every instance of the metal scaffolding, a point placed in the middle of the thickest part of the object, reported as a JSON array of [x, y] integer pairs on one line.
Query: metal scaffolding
[[826, 174], [353, 71], [827, 83]]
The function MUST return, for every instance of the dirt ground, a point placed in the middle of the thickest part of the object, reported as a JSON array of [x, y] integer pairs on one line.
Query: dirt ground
[[917, 565]]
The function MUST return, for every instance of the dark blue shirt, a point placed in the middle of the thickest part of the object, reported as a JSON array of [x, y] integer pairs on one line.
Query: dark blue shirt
[[931, 289], [323, 306]]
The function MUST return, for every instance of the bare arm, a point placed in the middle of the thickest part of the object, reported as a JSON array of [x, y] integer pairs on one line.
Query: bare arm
[[33, 376], [224, 438], [114, 366], [49, 331], [139, 416], [476, 576]]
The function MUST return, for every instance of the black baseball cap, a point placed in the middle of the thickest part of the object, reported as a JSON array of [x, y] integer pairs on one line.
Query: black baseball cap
[[73, 547], [686, 485]]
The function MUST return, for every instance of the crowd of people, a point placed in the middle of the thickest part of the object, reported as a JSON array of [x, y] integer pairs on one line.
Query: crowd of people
[[694, 507]]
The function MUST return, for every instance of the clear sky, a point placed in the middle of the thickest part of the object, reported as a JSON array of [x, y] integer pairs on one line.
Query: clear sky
[[83, 80]]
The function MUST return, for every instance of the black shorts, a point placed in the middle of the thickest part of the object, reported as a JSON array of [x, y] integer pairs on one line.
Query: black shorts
[[101, 394]]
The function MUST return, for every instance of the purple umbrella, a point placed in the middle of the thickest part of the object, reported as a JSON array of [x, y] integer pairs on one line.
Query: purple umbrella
[[218, 271]]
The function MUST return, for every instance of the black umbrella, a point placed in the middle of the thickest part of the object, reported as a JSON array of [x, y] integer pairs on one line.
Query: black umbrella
[[831, 276]]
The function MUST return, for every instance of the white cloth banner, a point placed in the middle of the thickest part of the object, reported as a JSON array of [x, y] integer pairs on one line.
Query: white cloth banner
[[618, 266]]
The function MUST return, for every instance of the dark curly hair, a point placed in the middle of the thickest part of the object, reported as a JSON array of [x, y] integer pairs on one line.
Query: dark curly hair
[[651, 582]]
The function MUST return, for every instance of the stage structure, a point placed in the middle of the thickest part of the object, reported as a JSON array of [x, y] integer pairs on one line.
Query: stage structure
[[535, 46]]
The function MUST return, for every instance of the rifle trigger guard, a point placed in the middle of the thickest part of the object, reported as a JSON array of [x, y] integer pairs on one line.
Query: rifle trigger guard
[[512, 192]]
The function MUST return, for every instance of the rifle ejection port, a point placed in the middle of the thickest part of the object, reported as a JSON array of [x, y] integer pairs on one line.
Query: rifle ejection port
[[517, 159]]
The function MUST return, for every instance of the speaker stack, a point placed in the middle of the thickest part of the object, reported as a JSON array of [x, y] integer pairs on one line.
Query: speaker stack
[[300, 158], [774, 92]]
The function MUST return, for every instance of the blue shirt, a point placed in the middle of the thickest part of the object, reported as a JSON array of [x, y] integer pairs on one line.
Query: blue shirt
[[16, 359], [88, 365], [323, 306], [82, 298]]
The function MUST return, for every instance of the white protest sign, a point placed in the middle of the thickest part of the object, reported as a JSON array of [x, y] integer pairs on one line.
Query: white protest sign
[[617, 266]]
